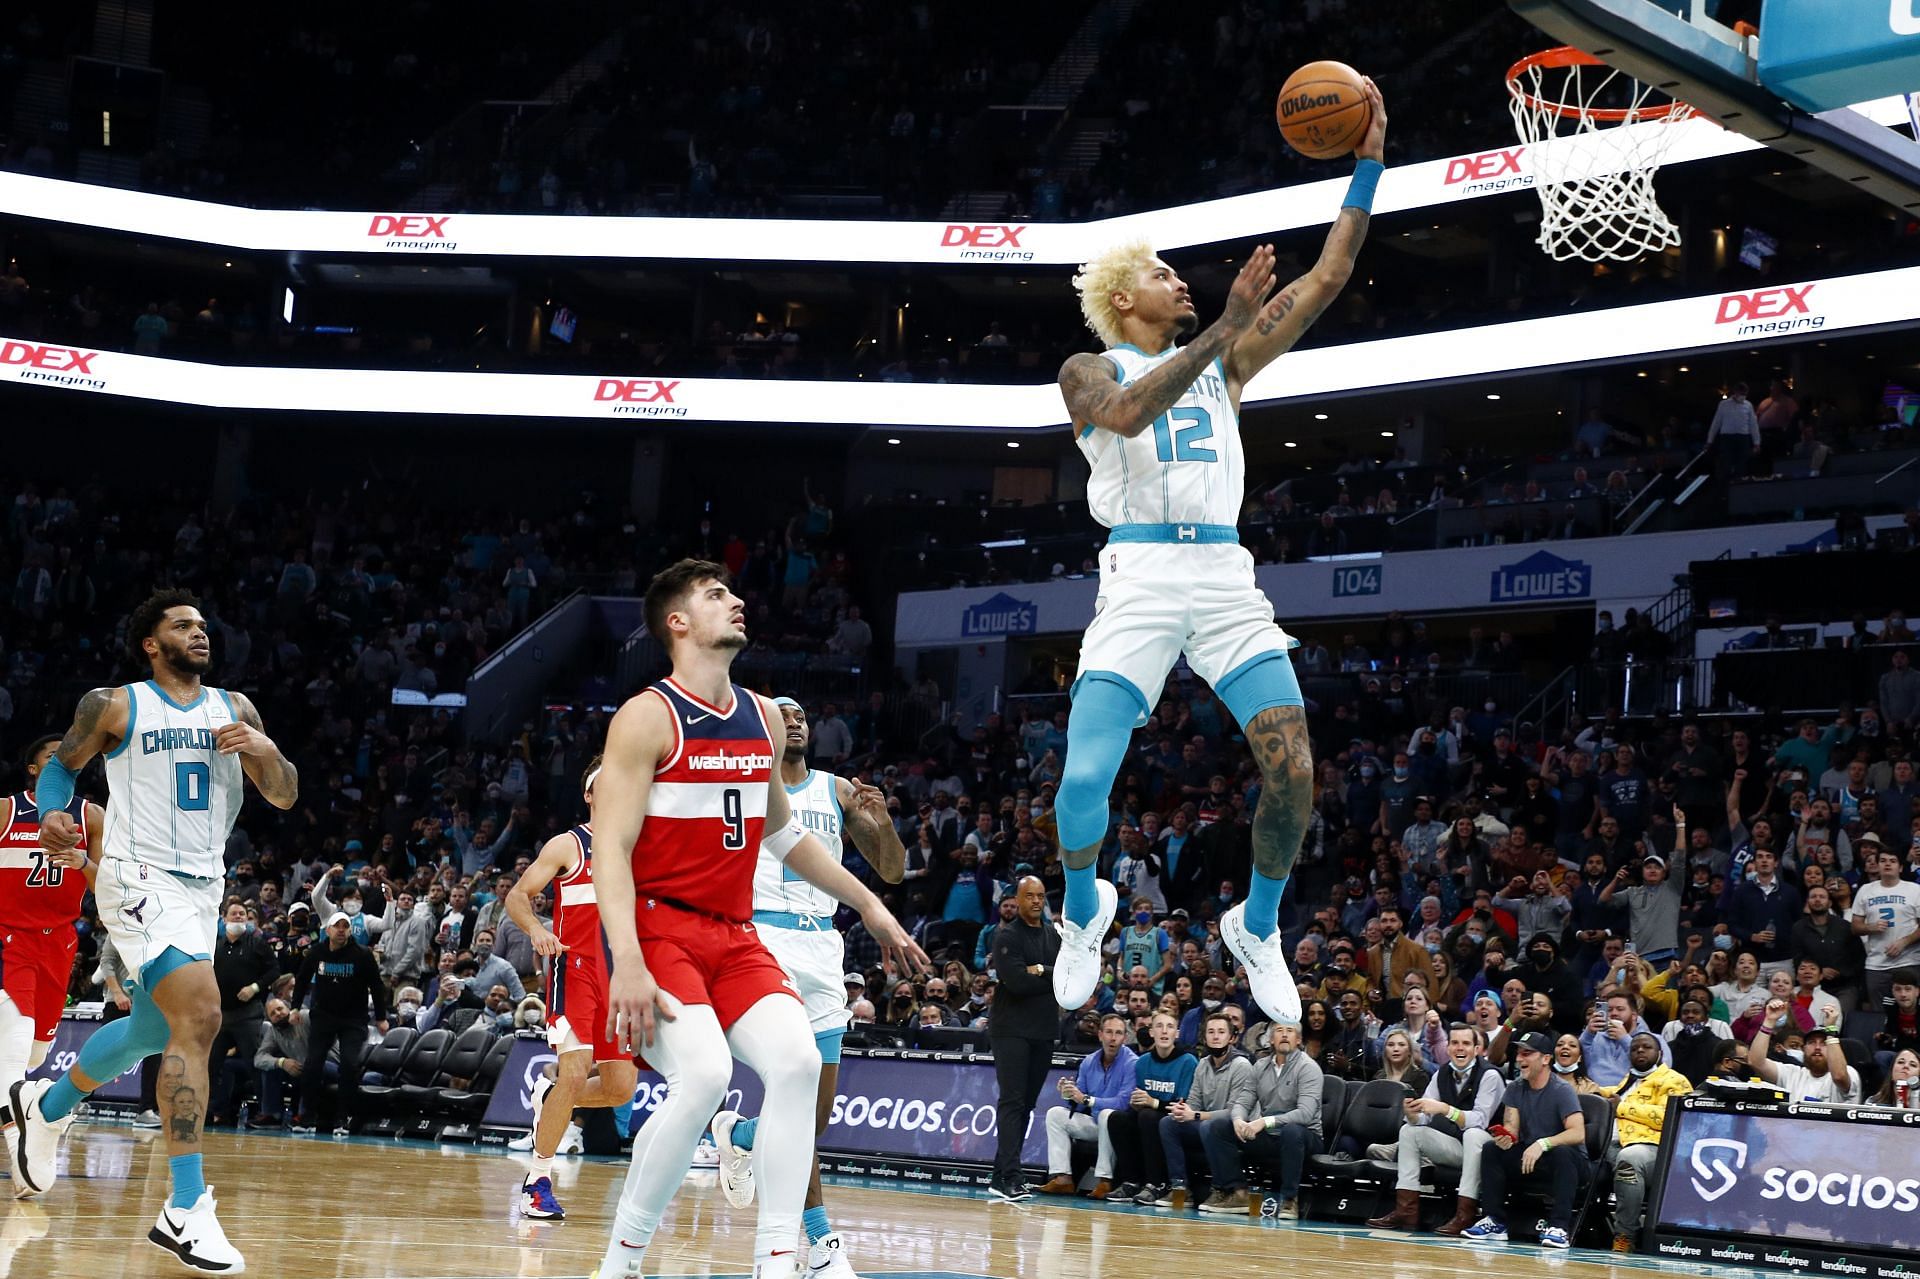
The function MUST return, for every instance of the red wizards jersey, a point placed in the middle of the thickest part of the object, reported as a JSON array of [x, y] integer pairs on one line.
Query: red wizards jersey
[[35, 893], [701, 837], [576, 912]]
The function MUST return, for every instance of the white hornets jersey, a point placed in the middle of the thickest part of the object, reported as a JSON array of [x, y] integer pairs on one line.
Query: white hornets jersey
[[171, 796], [1187, 468], [816, 806]]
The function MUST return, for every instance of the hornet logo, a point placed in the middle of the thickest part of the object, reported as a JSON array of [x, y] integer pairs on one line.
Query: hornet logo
[[1718, 1169], [136, 912]]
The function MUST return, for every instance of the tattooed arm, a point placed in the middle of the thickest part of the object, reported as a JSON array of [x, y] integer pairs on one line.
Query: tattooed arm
[[1283, 321], [1095, 397], [273, 773], [867, 826], [99, 722]]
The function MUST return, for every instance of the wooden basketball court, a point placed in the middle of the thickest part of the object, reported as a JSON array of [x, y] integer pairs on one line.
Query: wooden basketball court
[[316, 1208]]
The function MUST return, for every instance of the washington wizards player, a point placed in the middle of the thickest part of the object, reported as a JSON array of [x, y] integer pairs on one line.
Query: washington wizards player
[[176, 752], [590, 1070], [40, 897], [688, 785]]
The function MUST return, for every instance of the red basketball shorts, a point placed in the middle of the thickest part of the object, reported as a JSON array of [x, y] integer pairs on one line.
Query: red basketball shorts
[[34, 968]]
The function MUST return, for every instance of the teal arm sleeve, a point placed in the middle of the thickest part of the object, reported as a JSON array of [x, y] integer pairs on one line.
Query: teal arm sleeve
[[55, 790], [1366, 176]]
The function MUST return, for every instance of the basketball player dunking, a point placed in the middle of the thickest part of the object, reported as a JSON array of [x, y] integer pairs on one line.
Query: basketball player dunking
[[590, 1071], [795, 920], [40, 896], [1160, 426], [175, 755], [688, 784]]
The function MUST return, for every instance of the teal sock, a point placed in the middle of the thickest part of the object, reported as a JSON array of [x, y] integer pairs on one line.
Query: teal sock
[[815, 1220], [188, 1183], [1082, 900], [61, 1099], [743, 1132], [1263, 904]]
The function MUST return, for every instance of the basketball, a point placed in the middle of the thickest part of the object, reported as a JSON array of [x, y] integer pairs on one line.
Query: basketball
[[1323, 111]]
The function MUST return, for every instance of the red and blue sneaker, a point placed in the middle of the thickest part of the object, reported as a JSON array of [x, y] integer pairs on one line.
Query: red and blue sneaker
[[537, 1201]]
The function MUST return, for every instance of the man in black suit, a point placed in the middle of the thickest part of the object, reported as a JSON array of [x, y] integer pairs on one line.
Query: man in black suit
[[1021, 1027]]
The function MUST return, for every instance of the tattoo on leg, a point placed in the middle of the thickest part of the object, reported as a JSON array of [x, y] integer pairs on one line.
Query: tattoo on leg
[[1284, 754], [178, 1097]]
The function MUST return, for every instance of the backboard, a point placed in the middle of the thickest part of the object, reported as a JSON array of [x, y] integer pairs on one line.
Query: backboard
[[1789, 86]]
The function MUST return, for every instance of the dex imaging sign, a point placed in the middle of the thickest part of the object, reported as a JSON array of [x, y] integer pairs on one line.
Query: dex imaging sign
[[1783, 1177], [1542, 576]]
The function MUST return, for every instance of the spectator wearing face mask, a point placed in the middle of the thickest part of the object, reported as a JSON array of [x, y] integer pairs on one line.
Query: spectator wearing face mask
[[494, 970], [244, 966], [407, 1002], [280, 1059], [1545, 973], [366, 930]]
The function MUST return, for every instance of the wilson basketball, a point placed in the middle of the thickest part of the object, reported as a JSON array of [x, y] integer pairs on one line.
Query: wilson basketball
[[1323, 111]]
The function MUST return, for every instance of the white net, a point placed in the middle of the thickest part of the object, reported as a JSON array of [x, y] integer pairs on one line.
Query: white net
[[1595, 140]]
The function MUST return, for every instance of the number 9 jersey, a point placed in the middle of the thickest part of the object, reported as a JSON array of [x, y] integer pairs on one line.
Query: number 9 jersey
[[707, 806], [1188, 468]]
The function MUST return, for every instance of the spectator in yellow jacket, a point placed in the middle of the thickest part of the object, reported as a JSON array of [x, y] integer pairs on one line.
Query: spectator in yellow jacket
[[1640, 1109]]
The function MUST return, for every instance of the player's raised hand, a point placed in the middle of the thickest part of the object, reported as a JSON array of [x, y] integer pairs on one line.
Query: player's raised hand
[[242, 739], [58, 831], [1249, 291], [1374, 145], [897, 946], [871, 801]]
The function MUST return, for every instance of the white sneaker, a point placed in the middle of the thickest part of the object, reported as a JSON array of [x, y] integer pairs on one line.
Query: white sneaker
[[706, 1155], [572, 1142], [827, 1259], [195, 1237], [784, 1266], [1076, 970], [736, 1165], [147, 1119], [1266, 963], [36, 1140], [522, 1143], [538, 1096]]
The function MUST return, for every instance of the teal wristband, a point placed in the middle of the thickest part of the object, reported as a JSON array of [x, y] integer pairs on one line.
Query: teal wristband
[[55, 788], [1366, 176]]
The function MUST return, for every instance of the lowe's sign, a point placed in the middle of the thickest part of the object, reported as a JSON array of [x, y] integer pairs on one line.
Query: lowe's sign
[[1542, 576], [1001, 615]]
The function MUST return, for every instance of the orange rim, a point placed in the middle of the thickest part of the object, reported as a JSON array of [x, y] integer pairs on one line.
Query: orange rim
[[1567, 56]]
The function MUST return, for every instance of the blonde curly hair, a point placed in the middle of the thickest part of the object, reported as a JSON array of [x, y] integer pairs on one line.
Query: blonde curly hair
[[1115, 271]]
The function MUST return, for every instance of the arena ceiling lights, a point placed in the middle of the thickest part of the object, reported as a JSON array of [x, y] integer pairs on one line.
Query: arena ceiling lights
[[1411, 186], [1823, 307]]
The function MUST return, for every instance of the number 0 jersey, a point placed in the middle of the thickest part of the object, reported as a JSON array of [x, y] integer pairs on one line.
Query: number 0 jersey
[[35, 893], [1187, 468], [707, 807], [172, 797]]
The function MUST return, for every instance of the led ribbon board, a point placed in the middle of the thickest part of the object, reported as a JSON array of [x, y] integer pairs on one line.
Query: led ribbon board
[[1427, 184], [1880, 298]]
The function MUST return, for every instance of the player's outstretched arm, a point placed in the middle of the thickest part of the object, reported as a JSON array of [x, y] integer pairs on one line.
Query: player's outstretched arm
[[556, 858], [1095, 397], [870, 829], [99, 721], [273, 774], [1283, 321], [637, 739]]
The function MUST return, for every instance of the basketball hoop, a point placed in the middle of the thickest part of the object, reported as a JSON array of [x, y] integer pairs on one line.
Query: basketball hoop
[[1595, 184]]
